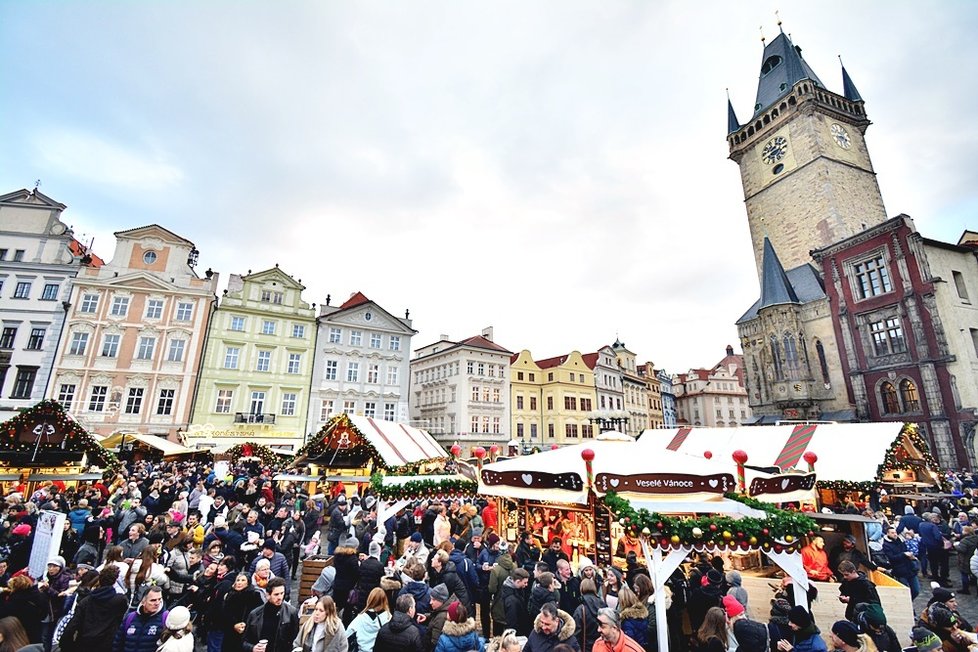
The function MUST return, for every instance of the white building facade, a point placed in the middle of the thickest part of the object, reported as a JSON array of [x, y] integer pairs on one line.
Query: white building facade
[[362, 363], [460, 391]]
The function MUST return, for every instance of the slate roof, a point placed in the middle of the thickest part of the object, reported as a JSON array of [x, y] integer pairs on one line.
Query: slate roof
[[775, 288], [849, 89], [732, 123], [777, 80], [804, 281]]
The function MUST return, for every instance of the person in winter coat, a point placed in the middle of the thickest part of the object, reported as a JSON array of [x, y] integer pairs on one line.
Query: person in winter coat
[[586, 615], [528, 551], [276, 622], [446, 573], [873, 622], [237, 603], [88, 552], [856, 588], [466, 570], [737, 589], [459, 633], [400, 634], [347, 564], [551, 628], [25, 603], [703, 597], [180, 566], [634, 617], [371, 572], [323, 631], [413, 584], [97, 618], [141, 629], [441, 600], [178, 635], [847, 551], [542, 593], [966, 549], [501, 571], [807, 637], [778, 627], [145, 572], [369, 621], [903, 563], [932, 541], [509, 608]]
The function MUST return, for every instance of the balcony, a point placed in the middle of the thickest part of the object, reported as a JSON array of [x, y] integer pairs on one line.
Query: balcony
[[245, 417]]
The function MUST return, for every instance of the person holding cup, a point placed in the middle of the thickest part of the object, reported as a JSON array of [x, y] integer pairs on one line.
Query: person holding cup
[[273, 626]]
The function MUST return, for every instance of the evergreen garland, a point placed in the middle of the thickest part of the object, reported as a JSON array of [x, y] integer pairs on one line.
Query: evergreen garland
[[267, 456], [317, 448], [422, 488]]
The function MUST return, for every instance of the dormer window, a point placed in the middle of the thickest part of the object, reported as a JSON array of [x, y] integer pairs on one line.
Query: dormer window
[[770, 64]]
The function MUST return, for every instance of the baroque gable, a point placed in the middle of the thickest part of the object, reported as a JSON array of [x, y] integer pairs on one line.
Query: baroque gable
[[369, 316]]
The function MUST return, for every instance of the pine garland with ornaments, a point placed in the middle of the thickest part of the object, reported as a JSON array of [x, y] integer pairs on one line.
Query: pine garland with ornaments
[[76, 438], [267, 456], [422, 488], [781, 531]]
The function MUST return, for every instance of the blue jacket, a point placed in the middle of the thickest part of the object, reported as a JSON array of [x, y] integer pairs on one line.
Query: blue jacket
[[466, 570], [812, 643], [930, 535], [911, 521], [460, 637], [900, 564], [421, 593], [486, 556], [140, 632], [79, 517]]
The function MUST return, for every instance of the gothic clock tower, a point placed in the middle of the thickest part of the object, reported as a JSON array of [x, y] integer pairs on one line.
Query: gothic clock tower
[[807, 175]]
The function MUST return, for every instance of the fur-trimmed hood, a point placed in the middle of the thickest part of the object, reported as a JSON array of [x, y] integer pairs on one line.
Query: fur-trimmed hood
[[343, 550], [458, 629], [639, 611], [389, 584], [567, 629]]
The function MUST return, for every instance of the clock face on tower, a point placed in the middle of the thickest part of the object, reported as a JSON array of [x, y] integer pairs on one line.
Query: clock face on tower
[[775, 150], [841, 136]]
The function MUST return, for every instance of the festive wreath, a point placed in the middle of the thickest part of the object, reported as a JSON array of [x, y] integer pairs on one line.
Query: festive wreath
[[251, 449]]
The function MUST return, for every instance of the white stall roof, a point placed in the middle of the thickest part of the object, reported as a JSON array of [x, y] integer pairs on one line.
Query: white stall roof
[[398, 443], [161, 444]]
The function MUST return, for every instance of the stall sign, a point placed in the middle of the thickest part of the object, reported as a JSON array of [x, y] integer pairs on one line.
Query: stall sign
[[782, 484], [533, 480], [665, 483], [47, 541]]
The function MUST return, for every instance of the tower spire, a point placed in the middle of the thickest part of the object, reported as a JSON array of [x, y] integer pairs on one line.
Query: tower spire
[[849, 89], [733, 124]]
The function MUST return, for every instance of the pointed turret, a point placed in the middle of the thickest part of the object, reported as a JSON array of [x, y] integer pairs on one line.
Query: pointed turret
[[775, 286], [781, 68], [849, 89], [733, 124]]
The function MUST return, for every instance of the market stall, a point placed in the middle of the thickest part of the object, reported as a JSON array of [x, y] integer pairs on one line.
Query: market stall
[[352, 448], [45, 444], [137, 446], [610, 495]]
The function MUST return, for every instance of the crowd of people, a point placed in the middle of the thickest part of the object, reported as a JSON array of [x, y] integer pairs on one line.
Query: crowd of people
[[170, 557]]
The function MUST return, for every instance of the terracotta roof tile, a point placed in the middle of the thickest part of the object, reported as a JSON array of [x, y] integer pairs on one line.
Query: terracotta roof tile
[[591, 360], [357, 299], [482, 343]]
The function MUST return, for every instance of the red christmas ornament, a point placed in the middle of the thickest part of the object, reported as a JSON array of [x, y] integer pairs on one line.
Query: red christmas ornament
[[765, 532], [660, 525], [810, 457], [494, 449], [778, 547], [456, 450], [587, 455], [554, 447], [708, 455], [744, 545], [479, 452], [740, 457], [665, 543], [740, 535], [713, 527]]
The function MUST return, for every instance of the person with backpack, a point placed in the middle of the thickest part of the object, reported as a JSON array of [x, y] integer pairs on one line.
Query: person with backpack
[[97, 618], [141, 629], [466, 570]]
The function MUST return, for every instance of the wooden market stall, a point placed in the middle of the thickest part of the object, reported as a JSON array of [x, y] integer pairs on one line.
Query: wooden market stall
[[45, 444], [610, 495], [351, 448], [137, 446]]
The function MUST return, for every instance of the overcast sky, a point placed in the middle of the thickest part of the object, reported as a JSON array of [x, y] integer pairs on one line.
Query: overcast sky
[[557, 169]]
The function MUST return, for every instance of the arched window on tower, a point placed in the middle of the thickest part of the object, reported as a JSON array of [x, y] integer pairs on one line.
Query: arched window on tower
[[889, 395], [822, 363], [790, 357], [776, 358], [908, 396]]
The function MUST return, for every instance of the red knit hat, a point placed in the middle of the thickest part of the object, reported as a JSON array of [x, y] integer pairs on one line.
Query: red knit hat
[[732, 606]]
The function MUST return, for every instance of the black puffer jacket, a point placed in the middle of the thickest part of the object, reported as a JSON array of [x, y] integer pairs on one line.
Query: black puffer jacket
[[371, 570], [450, 578], [96, 621], [399, 635], [586, 620]]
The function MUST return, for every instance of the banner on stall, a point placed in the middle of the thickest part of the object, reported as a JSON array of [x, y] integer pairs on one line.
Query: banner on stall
[[47, 541]]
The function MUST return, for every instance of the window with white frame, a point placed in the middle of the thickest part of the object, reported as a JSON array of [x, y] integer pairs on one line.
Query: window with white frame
[[326, 410], [120, 306], [330, 372], [388, 411], [110, 346], [335, 335], [392, 375], [394, 343], [50, 292], [375, 340], [356, 338], [295, 363], [370, 409], [888, 336], [89, 303], [134, 400], [36, 341], [22, 290], [185, 311], [267, 327], [872, 277], [164, 405], [96, 402], [264, 361], [175, 352], [79, 342], [352, 372], [373, 373], [288, 404], [350, 407], [154, 308], [475, 392], [147, 345], [237, 323], [257, 402], [485, 424], [66, 394], [298, 330], [224, 398], [475, 425], [495, 425], [278, 297], [231, 355], [266, 296]]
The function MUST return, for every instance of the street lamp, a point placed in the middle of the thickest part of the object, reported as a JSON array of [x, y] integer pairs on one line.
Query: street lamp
[[609, 420]]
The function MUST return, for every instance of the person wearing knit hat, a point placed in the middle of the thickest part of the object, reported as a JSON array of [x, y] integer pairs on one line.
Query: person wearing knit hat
[[844, 635], [925, 640], [733, 607], [872, 621], [492, 539], [806, 634], [177, 636]]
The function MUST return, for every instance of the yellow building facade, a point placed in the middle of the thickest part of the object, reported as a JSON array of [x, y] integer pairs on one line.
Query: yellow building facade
[[551, 400]]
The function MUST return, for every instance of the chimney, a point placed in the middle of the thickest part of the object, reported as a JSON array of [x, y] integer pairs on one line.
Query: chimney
[[444, 338], [729, 350], [487, 333]]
